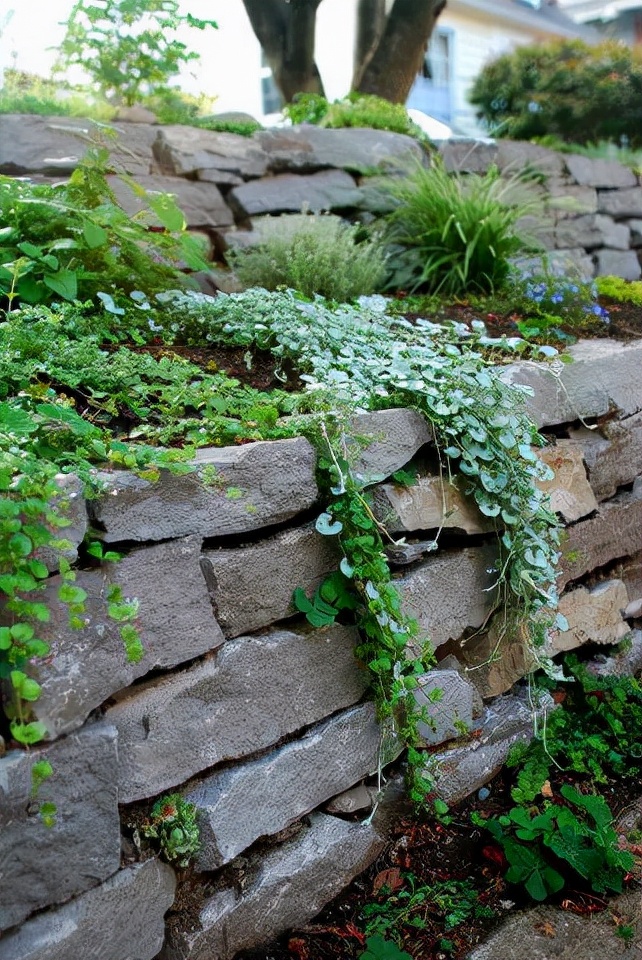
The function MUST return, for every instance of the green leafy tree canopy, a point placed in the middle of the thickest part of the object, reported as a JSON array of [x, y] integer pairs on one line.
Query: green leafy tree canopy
[[128, 47]]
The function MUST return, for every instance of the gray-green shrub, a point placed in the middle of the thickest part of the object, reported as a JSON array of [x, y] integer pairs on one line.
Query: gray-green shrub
[[314, 255]]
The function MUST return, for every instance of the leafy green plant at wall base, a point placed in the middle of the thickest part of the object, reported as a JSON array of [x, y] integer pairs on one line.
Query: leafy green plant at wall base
[[377, 948]]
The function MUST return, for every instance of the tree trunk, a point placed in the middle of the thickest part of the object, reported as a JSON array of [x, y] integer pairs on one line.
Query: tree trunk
[[286, 31], [391, 71], [371, 22]]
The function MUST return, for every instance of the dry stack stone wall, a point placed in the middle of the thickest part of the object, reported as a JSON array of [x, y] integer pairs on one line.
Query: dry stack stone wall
[[230, 186], [262, 722]]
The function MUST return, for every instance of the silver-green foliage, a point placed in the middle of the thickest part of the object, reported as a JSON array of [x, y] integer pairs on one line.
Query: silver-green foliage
[[362, 358], [313, 254]]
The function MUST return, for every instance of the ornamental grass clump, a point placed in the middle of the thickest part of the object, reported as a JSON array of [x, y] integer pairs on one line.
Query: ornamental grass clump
[[453, 234], [314, 255]]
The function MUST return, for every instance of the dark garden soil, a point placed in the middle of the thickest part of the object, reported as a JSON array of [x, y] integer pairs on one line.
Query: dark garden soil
[[436, 853]]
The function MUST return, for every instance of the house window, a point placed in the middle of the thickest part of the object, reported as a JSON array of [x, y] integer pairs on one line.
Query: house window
[[271, 99], [432, 90]]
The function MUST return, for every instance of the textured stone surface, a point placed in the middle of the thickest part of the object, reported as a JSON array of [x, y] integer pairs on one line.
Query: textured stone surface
[[594, 616], [569, 491], [604, 376], [234, 489], [599, 173], [122, 919], [568, 199], [427, 504], [497, 658], [613, 454], [309, 147], [175, 621], [450, 592], [548, 932], [71, 507], [201, 203], [328, 190], [459, 771], [618, 263], [188, 151], [451, 715], [621, 203], [288, 887], [626, 663], [248, 696], [42, 865], [468, 156], [252, 586], [615, 531], [46, 145], [235, 808], [516, 158], [380, 443], [360, 797], [590, 231]]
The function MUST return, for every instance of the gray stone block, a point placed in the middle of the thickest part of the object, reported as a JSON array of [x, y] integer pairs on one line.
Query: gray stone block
[[613, 454], [328, 190], [497, 658], [253, 692], [591, 231], [201, 203], [516, 158], [378, 444], [251, 587], [460, 770], [572, 263], [570, 200], [175, 621], [308, 147], [626, 663], [450, 592], [618, 263], [621, 203], [603, 377], [615, 531], [41, 145], [288, 887], [122, 919], [235, 809], [604, 174], [233, 490], [188, 151], [468, 156], [635, 226], [44, 865], [451, 715], [360, 797]]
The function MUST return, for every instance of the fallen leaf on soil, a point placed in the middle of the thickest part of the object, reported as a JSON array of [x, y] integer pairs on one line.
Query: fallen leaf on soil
[[545, 928], [387, 878], [546, 790], [298, 948]]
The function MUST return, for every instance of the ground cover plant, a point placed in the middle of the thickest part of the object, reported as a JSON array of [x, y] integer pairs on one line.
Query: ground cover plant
[[355, 110]]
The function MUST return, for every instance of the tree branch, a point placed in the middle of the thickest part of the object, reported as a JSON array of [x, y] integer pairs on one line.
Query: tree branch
[[371, 21]]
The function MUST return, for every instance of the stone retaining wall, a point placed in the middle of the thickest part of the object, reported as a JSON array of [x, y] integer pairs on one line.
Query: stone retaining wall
[[230, 186], [263, 722]]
